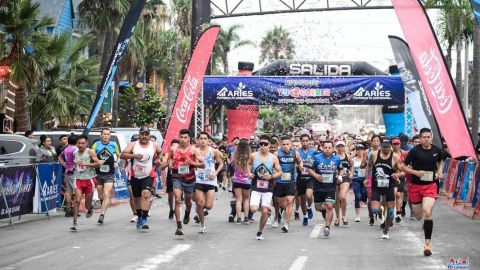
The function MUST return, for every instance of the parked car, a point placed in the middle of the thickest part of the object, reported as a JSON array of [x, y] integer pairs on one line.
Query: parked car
[[18, 150]]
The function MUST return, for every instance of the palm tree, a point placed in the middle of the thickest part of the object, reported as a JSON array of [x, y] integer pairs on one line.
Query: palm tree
[[30, 52], [64, 97], [277, 44], [228, 40]]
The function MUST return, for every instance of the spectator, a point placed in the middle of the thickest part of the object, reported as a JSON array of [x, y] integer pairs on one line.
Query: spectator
[[62, 143], [29, 134], [47, 150]]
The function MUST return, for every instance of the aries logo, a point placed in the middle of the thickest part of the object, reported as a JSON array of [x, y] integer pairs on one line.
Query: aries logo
[[378, 93], [234, 94]]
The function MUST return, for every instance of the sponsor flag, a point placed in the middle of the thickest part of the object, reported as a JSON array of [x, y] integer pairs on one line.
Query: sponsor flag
[[421, 110], [435, 77], [126, 32], [191, 85]]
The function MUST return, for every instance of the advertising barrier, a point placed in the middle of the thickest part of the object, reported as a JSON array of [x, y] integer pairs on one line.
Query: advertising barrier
[[17, 186], [120, 185], [48, 187]]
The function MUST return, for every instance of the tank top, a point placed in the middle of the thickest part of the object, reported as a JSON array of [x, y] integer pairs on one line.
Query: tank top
[[358, 170], [202, 176], [287, 163], [260, 168], [182, 170], [382, 172], [345, 164], [142, 168], [83, 172]]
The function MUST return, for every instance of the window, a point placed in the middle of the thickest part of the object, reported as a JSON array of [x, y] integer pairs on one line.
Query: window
[[10, 147]]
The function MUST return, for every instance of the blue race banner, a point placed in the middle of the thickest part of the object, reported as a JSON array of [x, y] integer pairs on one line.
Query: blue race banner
[[120, 185], [18, 186], [476, 9], [49, 185], [254, 90]]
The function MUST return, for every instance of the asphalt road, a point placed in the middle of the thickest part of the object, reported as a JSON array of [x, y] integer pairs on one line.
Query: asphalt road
[[44, 244]]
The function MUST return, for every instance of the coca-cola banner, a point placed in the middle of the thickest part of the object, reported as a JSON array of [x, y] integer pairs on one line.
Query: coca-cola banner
[[191, 85], [435, 76]]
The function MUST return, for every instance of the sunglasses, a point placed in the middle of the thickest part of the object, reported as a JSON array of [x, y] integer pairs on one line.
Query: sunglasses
[[263, 144]]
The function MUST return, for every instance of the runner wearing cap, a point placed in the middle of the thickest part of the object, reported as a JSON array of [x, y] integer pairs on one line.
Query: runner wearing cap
[[343, 184], [424, 163], [144, 154], [383, 165]]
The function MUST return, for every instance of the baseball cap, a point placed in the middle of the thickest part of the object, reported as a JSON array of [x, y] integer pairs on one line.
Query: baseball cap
[[385, 143], [340, 143], [144, 130]]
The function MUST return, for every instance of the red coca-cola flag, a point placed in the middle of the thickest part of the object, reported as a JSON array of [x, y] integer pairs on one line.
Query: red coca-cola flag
[[191, 85], [435, 77]]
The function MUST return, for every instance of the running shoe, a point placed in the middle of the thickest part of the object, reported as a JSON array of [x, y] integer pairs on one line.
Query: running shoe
[[326, 232], [372, 221], [382, 225], [357, 219], [269, 221], [202, 229], [139, 223], [412, 216], [179, 231], [385, 234], [305, 221], [285, 228], [246, 221], [259, 236], [297, 216], [205, 212], [100, 219], [170, 215], [231, 218], [345, 221], [251, 219], [134, 219], [89, 213], [74, 228], [239, 221], [310, 213], [197, 219], [275, 224], [427, 250], [145, 225], [337, 222], [186, 219], [398, 219]]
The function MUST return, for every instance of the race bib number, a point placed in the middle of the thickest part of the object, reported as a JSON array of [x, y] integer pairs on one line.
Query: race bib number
[[139, 169], [105, 168], [383, 183], [427, 176], [183, 169], [81, 168], [327, 178], [361, 173], [286, 177], [262, 184]]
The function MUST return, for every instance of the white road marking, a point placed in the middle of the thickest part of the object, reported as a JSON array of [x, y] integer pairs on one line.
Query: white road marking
[[165, 257], [299, 263], [29, 259], [316, 231]]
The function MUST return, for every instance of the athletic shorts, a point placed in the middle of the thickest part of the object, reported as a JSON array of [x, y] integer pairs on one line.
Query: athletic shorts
[[187, 187], [418, 192], [169, 183], [242, 186], [204, 187], [69, 183], [285, 189], [86, 186], [258, 198], [303, 185], [105, 178], [388, 193], [138, 185], [321, 197]]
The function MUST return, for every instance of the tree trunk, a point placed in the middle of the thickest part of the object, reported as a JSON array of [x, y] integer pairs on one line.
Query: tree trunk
[[459, 77], [22, 110], [116, 90], [475, 82], [107, 51]]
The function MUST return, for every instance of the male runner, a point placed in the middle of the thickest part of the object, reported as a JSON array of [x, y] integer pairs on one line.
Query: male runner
[[109, 152], [66, 159], [266, 168], [184, 159], [326, 169], [305, 181], [84, 177], [286, 184], [383, 165], [144, 154], [206, 179], [424, 164], [165, 165]]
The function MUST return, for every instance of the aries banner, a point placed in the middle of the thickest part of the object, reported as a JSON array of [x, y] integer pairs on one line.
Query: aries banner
[[18, 186]]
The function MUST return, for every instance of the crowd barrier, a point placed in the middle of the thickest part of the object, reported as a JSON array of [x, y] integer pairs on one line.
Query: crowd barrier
[[460, 186], [37, 189]]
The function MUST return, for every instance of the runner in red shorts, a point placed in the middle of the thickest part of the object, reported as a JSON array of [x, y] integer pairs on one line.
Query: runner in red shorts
[[424, 164]]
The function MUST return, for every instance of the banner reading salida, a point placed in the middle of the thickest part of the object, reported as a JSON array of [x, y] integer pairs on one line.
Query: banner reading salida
[[435, 77], [191, 85]]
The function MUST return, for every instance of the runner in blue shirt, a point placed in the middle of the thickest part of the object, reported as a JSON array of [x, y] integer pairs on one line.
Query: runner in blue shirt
[[305, 181]]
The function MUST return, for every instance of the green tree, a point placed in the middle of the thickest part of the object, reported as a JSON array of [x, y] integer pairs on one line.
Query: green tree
[[128, 106], [29, 52], [63, 96], [277, 44], [149, 109], [228, 40]]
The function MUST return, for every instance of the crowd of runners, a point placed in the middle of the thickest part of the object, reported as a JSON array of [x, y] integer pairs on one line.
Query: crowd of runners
[[284, 178]]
